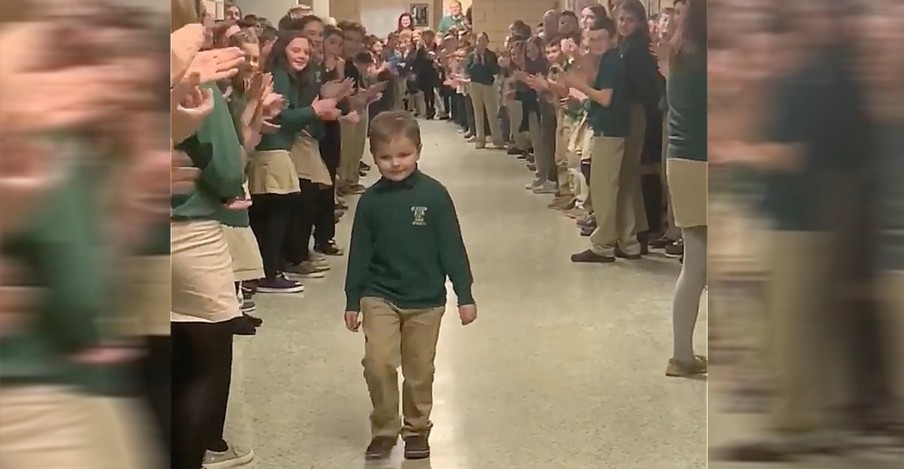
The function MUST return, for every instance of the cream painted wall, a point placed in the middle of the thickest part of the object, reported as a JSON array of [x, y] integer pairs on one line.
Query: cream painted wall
[[273, 10], [494, 16]]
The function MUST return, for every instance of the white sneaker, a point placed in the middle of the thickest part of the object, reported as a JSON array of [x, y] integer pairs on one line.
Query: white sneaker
[[315, 256], [232, 457], [533, 185]]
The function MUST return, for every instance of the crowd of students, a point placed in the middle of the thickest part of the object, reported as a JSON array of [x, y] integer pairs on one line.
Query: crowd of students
[[268, 127]]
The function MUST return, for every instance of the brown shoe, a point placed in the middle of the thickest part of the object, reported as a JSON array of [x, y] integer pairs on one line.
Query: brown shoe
[[680, 369], [380, 448], [417, 447], [562, 202]]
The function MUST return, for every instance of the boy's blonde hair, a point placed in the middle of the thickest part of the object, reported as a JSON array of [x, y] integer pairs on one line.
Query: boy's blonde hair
[[390, 125]]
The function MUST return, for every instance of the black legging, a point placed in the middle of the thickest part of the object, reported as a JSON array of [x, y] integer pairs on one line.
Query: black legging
[[156, 374], [269, 216], [324, 220], [201, 372], [301, 223]]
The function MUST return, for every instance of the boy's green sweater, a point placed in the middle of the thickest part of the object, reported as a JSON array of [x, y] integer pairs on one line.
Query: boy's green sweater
[[406, 241], [216, 150]]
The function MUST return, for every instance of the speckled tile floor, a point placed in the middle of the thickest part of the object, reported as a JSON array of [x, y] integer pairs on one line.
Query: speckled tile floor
[[563, 368]]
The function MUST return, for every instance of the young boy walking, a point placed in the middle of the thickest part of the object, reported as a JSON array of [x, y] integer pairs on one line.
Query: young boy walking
[[406, 241]]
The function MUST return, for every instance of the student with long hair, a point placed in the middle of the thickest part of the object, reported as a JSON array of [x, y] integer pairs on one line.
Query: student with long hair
[[272, 174], [405, 23], [687, 178], [643, 96]]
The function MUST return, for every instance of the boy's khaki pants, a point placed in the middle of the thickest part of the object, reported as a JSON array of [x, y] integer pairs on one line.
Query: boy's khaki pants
[[565, 129], [394, 337], [613, 205], [354, 139]]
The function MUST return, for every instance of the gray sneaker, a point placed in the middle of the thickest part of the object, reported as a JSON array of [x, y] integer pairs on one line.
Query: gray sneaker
[[232, 457], [547, 187], [307, 269]]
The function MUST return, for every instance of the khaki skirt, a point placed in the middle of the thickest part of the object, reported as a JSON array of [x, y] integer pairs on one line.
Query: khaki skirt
[[688, 183], [272, 172], [203, 288], [247, 264], [148, 296], [309, 165]]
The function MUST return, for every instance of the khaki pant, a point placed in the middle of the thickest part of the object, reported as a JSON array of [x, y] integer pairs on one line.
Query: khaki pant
[[395, 337], [564, 131], [486, 105], [610, 192], [49, 427], [516, 114], [634, 144], [354, 140], [799, 346]]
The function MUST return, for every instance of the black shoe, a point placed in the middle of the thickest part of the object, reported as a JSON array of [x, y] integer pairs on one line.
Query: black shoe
[[417, 447], [589, 256], [661, 243], [675, 249], [514, 151], [248, 306], [258, 322], [329, 249], [587, 230], [364, 166], [244, 325], [380, 448]]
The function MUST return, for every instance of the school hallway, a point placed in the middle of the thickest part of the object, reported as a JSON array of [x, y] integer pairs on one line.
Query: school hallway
[[564, 367]]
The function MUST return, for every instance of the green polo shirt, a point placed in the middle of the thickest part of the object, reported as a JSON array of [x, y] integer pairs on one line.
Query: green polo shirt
[[688, 108], [611, 121], [406, 241]]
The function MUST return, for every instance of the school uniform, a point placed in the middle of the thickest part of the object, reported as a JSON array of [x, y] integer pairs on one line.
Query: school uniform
[[643, 97], [482, 70], [406, 241], [274, 174], [611, 185], [53, 411], [354, 136], [204, 301]]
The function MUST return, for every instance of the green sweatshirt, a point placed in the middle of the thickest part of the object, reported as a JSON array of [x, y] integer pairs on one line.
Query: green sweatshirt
[[214, 148], [298, 116], [62, 253], [406, 241]]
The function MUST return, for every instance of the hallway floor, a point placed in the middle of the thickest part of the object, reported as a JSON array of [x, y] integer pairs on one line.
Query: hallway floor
[[563, 369]]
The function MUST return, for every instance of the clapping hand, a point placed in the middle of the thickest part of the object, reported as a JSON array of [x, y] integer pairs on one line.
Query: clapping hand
[[217, 64], [191, 105]]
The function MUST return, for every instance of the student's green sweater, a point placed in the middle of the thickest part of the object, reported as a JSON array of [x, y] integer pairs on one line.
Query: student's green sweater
[[482, 73], [688, 108], [215, 149], [298, 116], [62, 253], [406, 241], [612, 120]]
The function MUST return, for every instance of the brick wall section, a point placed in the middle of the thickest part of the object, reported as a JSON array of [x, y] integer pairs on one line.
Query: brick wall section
[[495, 16]]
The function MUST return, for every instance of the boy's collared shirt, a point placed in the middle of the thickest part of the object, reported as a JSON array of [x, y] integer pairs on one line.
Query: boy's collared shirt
[[610, 121], [406, 241]]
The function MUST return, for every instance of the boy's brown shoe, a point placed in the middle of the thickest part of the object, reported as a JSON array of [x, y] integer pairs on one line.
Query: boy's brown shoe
[[380, 448], [417, 447]]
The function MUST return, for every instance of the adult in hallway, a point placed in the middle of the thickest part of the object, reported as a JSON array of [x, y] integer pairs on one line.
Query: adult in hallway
[[455, 19]]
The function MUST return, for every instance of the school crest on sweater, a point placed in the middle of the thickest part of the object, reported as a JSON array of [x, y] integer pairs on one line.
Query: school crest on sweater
[[420, 216]]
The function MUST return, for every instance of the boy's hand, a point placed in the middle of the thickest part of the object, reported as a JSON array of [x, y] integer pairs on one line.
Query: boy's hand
[[467, 313], [353, 320]]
